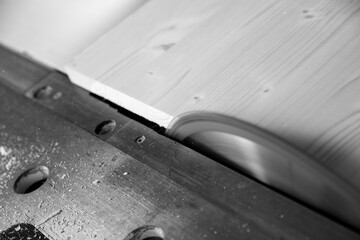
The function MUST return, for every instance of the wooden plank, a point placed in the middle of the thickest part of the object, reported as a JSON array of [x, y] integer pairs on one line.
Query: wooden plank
[[130, 48], [53, 32], [290, 67]]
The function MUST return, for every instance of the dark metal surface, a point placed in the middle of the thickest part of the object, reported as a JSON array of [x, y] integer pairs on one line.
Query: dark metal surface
[[105, 190]]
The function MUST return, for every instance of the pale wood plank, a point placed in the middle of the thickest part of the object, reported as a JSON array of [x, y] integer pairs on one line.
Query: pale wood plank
[[136, 43], [290, 67]]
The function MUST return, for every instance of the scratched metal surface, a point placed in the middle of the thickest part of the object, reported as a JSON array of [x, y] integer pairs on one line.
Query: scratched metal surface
[[105, 186]]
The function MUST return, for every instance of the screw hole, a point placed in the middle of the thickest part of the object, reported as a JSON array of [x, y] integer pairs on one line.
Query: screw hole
[[43, 92], [31, 180], [146, 233], [105, 127], [140, 140]]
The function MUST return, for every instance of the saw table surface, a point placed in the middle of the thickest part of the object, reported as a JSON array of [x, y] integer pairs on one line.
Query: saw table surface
[[107, 178]]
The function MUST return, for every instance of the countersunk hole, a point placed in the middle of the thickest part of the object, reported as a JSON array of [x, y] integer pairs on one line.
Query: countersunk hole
[[43, 92], [146, 233], [105, 127], [31, 180], [140, 140]]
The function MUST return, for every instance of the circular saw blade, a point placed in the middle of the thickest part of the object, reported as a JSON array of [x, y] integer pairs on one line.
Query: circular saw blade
[[250, 149]]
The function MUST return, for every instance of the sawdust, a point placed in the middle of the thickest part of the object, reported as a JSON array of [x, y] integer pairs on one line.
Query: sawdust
[[64, 176], [40, 204], [246, 227], [12, 163], [96, 182], [16, 152], [4, 151]]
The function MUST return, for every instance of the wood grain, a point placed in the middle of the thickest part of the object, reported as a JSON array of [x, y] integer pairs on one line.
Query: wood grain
[[290, 67], [133, 47]]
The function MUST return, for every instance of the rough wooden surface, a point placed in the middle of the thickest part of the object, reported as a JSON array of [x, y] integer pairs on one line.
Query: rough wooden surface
[[290, 67]]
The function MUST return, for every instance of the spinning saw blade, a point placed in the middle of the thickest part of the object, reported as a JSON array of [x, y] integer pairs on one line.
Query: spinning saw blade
[[269, 159]]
